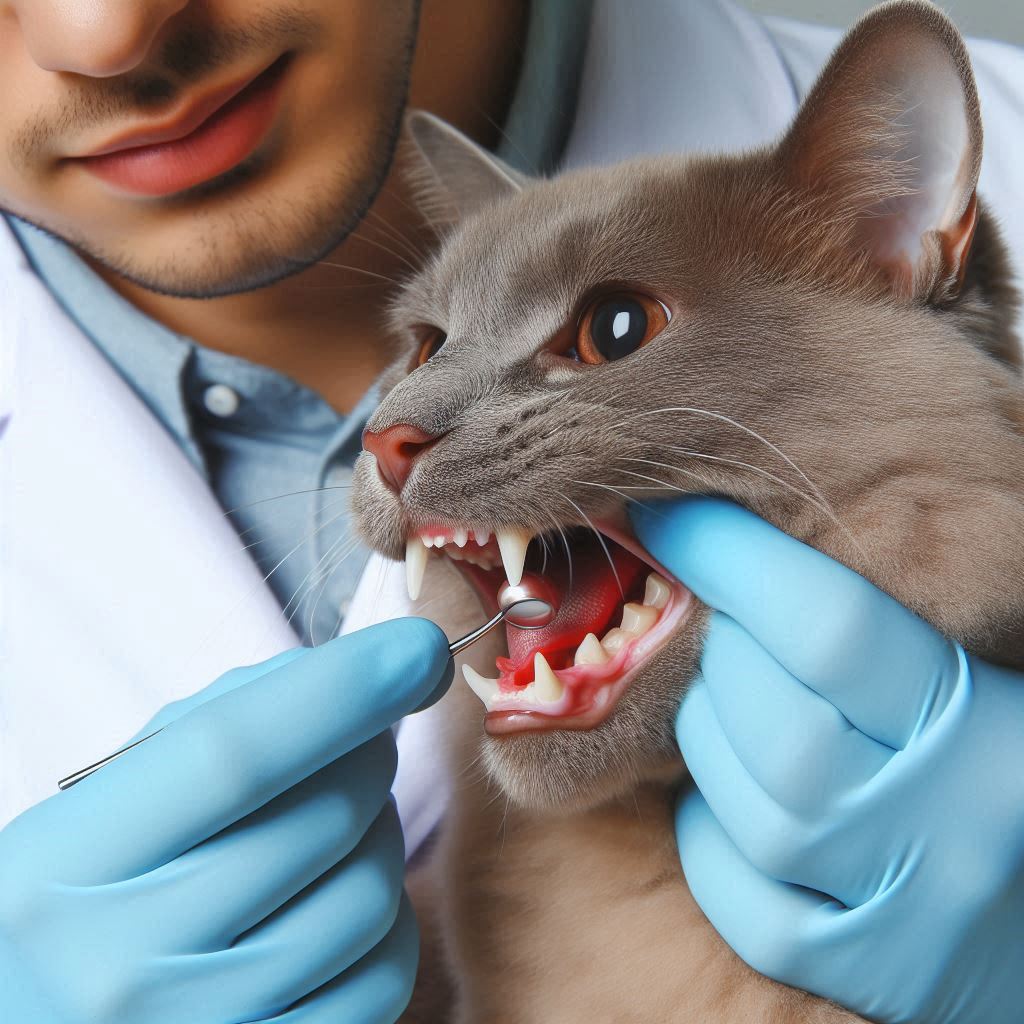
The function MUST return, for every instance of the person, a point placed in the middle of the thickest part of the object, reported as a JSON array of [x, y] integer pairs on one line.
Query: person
[[204, 217]]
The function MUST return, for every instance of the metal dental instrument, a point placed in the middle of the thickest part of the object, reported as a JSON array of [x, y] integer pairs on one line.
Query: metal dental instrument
[[521, 606]]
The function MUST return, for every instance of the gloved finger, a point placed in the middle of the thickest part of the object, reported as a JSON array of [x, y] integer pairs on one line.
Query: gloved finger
[[884, 668], [315, 937], [808, 850], [236, 752], [796, 745], [376, 990], [777, 928], [230, 680], [228, 884]]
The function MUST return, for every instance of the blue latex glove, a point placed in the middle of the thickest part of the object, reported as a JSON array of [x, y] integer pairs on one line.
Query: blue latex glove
[[858, 830], [245, 860]]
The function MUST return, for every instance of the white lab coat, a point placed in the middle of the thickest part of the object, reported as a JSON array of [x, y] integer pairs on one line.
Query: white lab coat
[[123, 586]]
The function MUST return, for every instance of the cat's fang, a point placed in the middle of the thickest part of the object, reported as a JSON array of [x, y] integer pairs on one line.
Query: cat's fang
[[590, 652], [486, 689], [415, 566], [548, 686], [512, 543]]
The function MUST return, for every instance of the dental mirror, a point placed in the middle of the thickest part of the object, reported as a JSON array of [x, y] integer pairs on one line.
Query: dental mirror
[[528, 605]]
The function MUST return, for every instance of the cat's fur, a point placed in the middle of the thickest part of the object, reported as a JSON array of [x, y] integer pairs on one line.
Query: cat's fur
[[555, 891]]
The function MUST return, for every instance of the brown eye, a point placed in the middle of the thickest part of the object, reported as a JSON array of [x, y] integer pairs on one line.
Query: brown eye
[[616, 325], [431, 345]]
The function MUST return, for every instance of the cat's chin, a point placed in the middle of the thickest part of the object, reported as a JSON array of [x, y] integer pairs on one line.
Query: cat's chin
[[571, 770]]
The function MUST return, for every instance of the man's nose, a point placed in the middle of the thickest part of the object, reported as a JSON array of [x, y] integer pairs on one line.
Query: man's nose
[[396, 449], [98, 38]]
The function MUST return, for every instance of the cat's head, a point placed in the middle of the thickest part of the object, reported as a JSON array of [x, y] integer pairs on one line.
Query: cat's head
[[762, 326]]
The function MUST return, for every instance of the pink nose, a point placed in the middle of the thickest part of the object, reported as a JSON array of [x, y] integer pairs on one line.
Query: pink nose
[[396, 449]]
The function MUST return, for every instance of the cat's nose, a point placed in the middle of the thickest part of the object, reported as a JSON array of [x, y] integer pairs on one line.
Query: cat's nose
[[396, 449]]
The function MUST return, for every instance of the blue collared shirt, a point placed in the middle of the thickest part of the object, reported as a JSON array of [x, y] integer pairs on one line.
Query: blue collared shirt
[[276, 455]]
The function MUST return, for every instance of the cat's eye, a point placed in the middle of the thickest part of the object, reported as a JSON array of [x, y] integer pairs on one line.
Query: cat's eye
[[615, 325], [431, 345]]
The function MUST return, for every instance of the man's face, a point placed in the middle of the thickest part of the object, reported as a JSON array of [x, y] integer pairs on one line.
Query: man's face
[[248, 136]]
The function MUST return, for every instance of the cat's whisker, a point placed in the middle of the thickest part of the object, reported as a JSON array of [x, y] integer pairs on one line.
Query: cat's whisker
[[739, 464], [824, 508], [385, 248], [606, 487], [288, 494], [735, 423], [350, 547], [359, 270], [266, 540], [825, 505], [417, 211], [305, 584], [600, 538], [416, 252], [340, 618], [568, 552]]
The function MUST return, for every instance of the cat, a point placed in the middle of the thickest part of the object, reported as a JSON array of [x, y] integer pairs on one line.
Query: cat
[[820, 330]]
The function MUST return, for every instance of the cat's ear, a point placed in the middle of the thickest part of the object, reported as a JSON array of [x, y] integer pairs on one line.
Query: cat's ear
[[890, 140], [451, 175]]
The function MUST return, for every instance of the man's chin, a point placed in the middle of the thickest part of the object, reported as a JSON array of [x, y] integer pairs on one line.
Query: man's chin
[[218, 241]]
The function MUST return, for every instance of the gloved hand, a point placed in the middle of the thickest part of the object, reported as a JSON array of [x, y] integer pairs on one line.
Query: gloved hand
[[244, 864], [858, 828]]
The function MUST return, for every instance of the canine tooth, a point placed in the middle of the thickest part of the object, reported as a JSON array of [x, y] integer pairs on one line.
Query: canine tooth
[[415, 565], [590, 652], [638, 618], [549, 687], [486, 689], [657, 591], [460, 537], [513, 544], [615, 639], [481, 536]]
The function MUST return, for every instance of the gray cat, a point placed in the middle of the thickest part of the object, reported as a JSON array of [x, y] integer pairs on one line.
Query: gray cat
[[821, 331]]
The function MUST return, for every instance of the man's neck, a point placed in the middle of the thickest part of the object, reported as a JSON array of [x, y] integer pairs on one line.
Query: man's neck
[[324, 326]]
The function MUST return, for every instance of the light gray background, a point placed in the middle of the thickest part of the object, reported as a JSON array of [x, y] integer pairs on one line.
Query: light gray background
[[991, 19]]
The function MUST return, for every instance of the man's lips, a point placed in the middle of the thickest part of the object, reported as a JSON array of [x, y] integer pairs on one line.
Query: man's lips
[[209, 137]]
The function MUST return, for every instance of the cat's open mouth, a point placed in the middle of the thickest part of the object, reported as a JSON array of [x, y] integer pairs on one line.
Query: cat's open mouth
[[616, 606]]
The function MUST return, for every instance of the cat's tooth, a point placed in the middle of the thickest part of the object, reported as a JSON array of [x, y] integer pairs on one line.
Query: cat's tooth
[[615, 639], [590, 652], [415, 566], [638, 618], [547, 685], [460, 537], [481, 536], [513, 544], [657, 591], [486, 689]]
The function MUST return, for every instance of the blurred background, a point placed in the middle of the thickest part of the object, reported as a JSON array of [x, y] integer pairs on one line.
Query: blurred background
[[989, 19]]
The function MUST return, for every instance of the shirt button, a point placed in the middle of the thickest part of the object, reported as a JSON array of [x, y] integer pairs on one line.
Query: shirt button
[[221, 400]]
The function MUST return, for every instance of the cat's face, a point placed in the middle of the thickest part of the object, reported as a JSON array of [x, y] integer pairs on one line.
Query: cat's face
[[625, 334]]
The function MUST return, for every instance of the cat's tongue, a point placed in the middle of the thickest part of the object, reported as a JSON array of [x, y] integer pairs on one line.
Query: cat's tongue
[[592, 595]]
